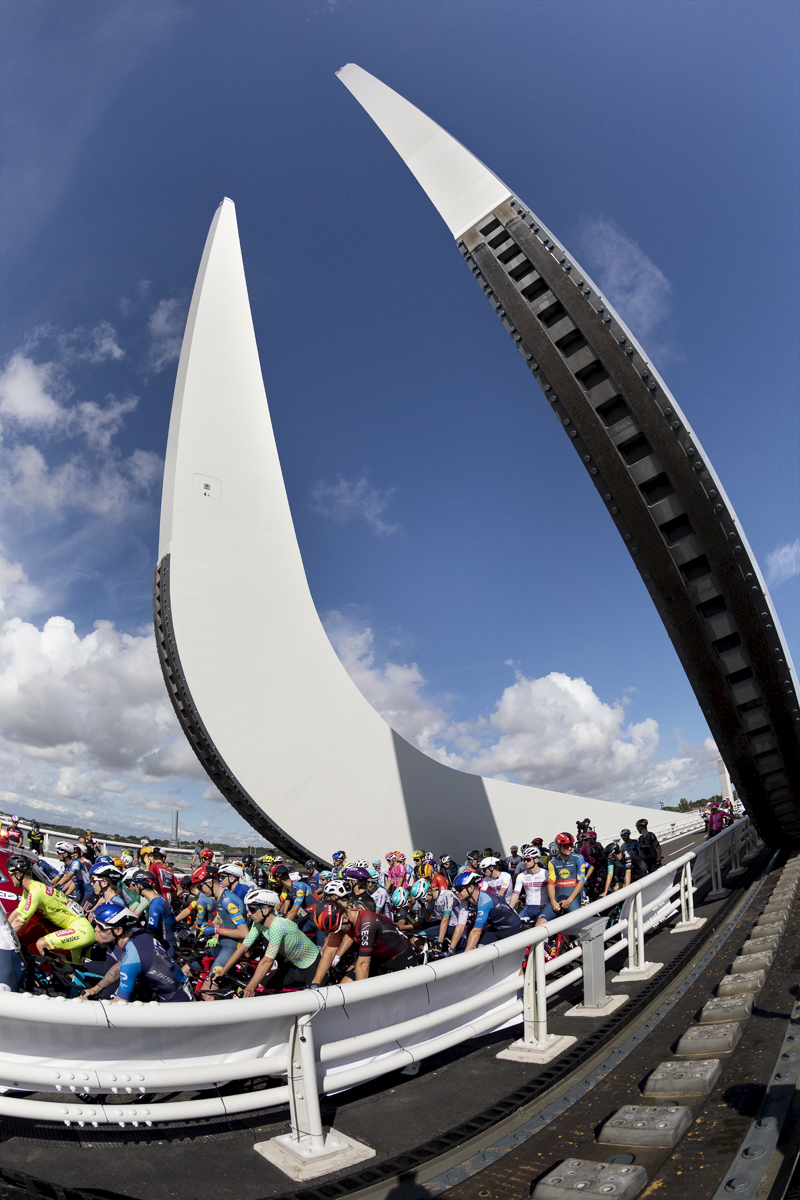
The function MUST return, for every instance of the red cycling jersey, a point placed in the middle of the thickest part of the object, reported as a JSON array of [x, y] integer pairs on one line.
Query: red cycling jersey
[[375, 935]]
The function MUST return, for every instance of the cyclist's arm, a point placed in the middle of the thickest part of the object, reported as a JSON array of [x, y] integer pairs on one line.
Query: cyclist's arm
[[252, 937], [334, 944], [187, 913], [627, 876], [609, 877], [24, 911], [110, 977], [484, 908], [129, 971]]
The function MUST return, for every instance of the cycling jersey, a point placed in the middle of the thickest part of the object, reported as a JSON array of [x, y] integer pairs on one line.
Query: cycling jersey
[[533, 883], [635, 864], [566, 874], [284, 938], [396, 876], [649, 847], [73, 930], [716, 821], [240, 889], [36, 841], [161, 920], [145, 956], [80, 874], [374, 934], [632, 846], [301, 893], [382, 900], [502, 886], [495, 917], [14, 836], [444, 906], [205, 907], [165, 879], [231, 911]]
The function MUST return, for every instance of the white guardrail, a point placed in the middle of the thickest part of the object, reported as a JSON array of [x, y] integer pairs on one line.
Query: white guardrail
[[335, 1037]]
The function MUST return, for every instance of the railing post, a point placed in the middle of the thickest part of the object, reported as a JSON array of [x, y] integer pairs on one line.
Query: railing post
[[595, 1001], [638, 967], [306, 1151], [718, 892], [688, 920], [536, 1044]]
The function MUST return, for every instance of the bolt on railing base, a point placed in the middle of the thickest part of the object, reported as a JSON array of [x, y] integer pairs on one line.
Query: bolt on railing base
[[301, 1160], [719, 894], [688, 926], [537, 1052], [629, 974], [611, 1004]]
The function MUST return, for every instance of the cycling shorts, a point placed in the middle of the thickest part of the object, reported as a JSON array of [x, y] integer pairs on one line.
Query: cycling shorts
[[549, 913], [224, 951], [287, 975], [79, 935]]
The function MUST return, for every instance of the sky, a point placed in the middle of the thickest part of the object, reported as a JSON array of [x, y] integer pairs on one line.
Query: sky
[[461, 560]]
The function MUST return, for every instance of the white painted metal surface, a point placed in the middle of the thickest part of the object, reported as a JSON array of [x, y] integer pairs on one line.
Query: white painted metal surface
[[282, 712]]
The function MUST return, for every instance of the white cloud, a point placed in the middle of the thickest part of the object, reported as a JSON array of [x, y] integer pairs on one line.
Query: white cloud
[[552, 732], [165, 327], [26, 391], [783, 563], [349, 499], [17, 594], [113, 785], [636, 287]]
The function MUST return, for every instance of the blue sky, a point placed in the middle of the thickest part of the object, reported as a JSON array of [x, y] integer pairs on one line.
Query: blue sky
[[468, 575]]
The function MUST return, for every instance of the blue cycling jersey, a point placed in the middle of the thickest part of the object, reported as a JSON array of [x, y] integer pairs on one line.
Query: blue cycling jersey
[[495, 915], [231, 910], [161, 920], [83, 886], [301, 893], [240, 890], [145, 956]]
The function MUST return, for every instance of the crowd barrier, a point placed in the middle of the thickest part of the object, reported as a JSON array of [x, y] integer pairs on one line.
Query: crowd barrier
[[303, 1043]]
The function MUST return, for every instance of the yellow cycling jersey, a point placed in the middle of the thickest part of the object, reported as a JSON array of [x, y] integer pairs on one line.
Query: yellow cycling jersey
[[50, 903]]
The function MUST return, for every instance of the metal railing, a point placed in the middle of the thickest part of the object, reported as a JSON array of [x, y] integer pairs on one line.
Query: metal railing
[[336, 1037]]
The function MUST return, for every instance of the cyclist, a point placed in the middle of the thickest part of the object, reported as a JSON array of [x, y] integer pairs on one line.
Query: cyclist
[[442, 912], [74, 880], [196, 860], [201, 908], [14, 834], [381, 947], [300, 955], [379, 894], [339, 858], [144, 958], [473, 863], [105, 879], [649, 846], [72, 931], [165, 878], [628, 843], [423, 868], [396, 875], [448, 868], [495, 879], [565, 875], [594, 855], [301, 897], [145, 853], [494, 920], [232, 926], [104, 956], [36, 838], [160, 917], [514, 861], [717, 820], [234, 873], [12, 964], [532, 879]]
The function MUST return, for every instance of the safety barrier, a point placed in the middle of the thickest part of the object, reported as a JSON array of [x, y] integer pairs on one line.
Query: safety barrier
[[360, 1031]]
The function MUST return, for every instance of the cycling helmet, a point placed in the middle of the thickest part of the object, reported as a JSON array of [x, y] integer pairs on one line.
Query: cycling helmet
[[185, 881], [261, 898], [106, 871], [278, 858], [329, 919], [127, 859], [14, 820], [18, 864], [310, 864], [391, 856], [399, 897], [128, 875], [564, 839], [537, 841], [418, 854], [400, 857], [144, 879], [247, 860], [420, 889], [337, 854], [476, 854], [65, 848], [489, 863], [612, 848], [104, 858], [233, 869], [356, 874], [445, 860], [280, 872], [360, 862], [104, 912], [591, 835], [338, 889], [325, 876], [643, 820], [465, 879], [527, 850], [207, 854], [373, 874], [376, 862], [121, 920], [624, 833], [202, 874], [143, 841]]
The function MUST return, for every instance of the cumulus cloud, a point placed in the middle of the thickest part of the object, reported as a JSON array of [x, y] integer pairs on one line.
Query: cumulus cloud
[[165, 328], [552, 732], [17, 594], [636, 287], [783, 563], [352, 499]]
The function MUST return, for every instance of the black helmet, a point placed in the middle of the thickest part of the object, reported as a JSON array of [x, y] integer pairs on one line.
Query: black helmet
[[310, 864], [18, 864], [624, 833], [145, 879]]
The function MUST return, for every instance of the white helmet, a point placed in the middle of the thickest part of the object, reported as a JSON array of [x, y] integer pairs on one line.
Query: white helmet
[[232, 868], [340, 888], [261, 898], [361, 862], [489, 862], [129, 874], [65, 848], [14, 820], [127, 859]]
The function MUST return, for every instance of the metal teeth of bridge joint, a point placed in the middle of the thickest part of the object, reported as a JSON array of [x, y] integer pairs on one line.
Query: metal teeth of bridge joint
[[646, 1125], [684, 1079], [702, 1040], [727, 1008], [598, 1180]]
